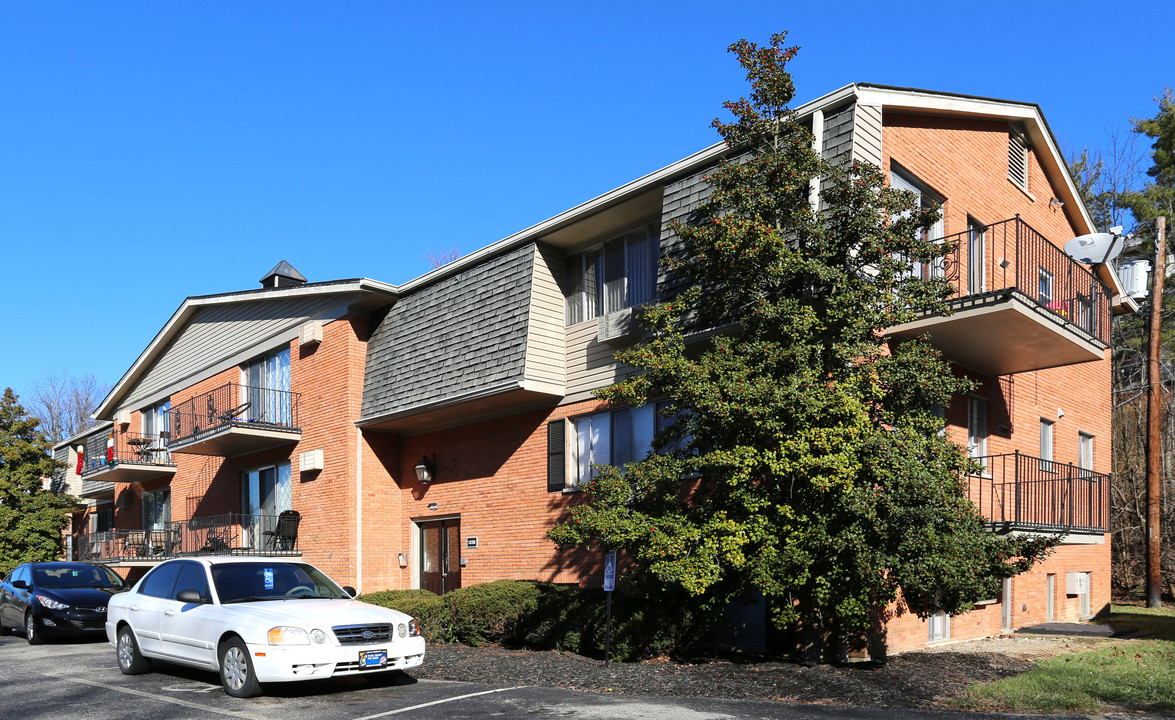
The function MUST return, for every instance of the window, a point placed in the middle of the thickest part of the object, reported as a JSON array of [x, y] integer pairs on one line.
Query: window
[[1085, 453], [1046, 445], [618, 274], [926, 198], [265, 494], [976, 268], [266, 384], [266, 490], [156, 424], [191, 577], [939, 626], [1018, 160], [1045, 288], [161, 580], [101, 520], [615, 437], [977, 431], [157, 509]]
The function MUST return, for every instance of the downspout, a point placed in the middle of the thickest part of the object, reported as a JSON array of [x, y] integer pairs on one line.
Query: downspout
[[359, 510]]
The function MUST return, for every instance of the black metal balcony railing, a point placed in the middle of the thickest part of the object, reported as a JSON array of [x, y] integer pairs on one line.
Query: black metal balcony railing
[[102, 450], [1021, 492], [226, 534], [233, 405], [1011, 255]]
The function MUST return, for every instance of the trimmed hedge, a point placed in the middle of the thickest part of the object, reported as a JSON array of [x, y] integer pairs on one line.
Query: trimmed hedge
[[545, 616]]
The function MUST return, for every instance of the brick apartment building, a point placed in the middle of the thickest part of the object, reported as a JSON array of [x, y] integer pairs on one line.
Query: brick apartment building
[[333, 399]]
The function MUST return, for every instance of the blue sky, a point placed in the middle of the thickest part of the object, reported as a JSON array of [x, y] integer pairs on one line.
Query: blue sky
[[154, 150]]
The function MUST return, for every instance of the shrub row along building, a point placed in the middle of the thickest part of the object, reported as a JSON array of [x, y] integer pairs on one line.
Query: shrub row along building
[[428, 434]]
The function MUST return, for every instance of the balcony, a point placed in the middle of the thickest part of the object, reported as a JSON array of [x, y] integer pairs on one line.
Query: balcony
[[123, 457], [1024, 493], [226, 534], [1021, 304], [234, 420]]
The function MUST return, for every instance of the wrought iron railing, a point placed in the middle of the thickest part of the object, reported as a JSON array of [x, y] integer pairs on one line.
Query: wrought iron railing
[[103, 450], [1021, 492], [1011, 255], [225, 534], [233, 405]]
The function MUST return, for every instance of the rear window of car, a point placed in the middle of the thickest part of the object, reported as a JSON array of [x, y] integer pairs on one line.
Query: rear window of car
[[58, 577]]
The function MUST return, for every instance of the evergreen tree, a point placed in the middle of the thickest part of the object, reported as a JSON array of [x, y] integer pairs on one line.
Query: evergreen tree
[[31, 518], [814, 471]]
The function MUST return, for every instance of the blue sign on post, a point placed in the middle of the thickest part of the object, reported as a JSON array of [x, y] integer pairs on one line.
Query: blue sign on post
[[610, 570]]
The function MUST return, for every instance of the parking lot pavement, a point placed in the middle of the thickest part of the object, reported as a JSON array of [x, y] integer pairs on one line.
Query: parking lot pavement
[[80, 680]]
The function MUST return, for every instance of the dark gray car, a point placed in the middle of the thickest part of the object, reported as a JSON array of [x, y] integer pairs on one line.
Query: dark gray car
[[57, 598]]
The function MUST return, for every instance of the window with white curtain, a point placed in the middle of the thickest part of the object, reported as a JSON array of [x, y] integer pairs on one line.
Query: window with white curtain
[[618, 274], [266, 382], [615, 437], [925, 198], [156, 509], [265, 492], [1046, 445], [977, 430]]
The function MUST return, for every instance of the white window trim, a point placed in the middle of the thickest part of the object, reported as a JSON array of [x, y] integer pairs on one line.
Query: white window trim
[[977, 410], [1048, 445], [652, 237]]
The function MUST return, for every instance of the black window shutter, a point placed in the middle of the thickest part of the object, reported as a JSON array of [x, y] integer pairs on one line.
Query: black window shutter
[[556, 448]]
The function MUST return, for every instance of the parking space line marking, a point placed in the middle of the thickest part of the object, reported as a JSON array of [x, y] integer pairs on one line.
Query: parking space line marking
[[437, 702], [140, 693]]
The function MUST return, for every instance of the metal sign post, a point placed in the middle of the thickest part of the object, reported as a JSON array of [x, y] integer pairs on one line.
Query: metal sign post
[[609, 586]]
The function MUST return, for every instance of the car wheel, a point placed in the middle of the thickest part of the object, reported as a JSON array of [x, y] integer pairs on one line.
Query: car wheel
[[130, 660], [236, 670], [31, 633]]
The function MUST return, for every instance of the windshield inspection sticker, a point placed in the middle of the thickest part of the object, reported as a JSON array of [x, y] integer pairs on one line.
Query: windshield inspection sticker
[[268, 578]]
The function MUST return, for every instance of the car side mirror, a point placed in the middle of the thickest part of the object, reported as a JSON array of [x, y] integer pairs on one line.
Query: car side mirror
[[350, 590], [191, 597], [20, 585]]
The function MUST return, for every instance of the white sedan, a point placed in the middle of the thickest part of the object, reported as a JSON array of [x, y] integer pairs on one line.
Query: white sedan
[[256, 620]]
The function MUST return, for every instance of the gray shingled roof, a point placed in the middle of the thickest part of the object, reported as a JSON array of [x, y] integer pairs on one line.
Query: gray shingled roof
[[465, 333]]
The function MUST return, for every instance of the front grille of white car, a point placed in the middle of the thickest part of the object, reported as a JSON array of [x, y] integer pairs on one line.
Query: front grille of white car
[[364, 634]]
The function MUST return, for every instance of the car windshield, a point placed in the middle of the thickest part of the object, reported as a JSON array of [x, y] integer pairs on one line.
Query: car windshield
[[252, 582], [60, 577]]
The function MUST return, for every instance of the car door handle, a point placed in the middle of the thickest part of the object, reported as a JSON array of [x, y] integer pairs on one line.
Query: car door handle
[[169, 613], [134, 608]]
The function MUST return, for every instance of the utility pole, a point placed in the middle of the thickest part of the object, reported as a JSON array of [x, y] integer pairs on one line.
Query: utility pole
[[1154, 410]]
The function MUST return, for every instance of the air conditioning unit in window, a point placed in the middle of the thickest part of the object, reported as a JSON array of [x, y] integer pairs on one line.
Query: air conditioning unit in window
[[1076, 583], [122, 417], [310, 461], [617, 326], [310, 333]]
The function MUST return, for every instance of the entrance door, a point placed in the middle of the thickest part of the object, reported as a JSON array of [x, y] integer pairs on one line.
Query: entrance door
[[440, 551]]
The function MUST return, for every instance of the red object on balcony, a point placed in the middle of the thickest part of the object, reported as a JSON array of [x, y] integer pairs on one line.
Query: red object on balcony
[[81, 460], [110, 448]]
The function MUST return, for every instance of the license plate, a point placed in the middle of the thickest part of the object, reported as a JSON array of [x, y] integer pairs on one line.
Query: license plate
[[373, 658]]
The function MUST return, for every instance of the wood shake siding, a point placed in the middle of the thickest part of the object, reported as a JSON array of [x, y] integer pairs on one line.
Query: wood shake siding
[[462, 335]]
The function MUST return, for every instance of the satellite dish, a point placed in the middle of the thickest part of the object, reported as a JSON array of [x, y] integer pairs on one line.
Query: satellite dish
[[1095, 248]]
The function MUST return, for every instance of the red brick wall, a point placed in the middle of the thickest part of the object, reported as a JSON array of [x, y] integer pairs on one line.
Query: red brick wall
[[967, 162]]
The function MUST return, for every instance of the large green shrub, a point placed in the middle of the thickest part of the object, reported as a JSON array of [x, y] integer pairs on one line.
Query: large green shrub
[[545, 616]]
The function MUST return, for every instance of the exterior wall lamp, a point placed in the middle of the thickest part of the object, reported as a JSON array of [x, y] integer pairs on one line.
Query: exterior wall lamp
[[426, 470]]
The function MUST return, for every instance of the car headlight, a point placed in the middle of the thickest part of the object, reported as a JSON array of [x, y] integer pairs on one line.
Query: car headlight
[[288, 636], [413, 628], [51, 603], [318, 636]]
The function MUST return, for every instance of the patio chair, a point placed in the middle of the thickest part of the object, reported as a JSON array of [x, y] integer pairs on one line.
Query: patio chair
[[285, 536], [135, 543]]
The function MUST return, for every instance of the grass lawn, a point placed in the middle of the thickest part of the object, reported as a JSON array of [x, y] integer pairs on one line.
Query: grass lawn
[[1115, 675]]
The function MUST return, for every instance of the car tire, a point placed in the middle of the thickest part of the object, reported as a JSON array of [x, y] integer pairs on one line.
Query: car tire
[[31, 632], [130, 660], [236, 670]]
